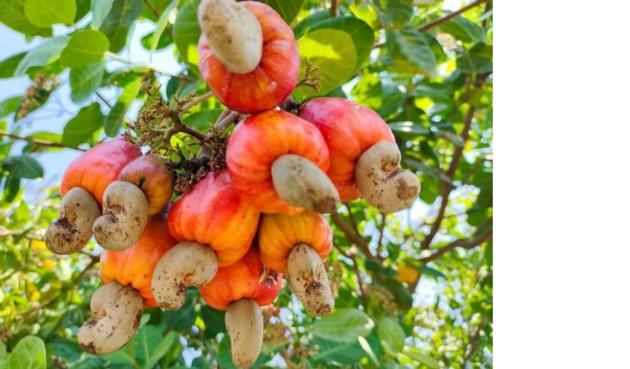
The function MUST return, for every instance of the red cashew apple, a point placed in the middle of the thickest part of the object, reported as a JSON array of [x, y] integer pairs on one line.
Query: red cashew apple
[[297, 245], [117, 306], [82, 188], [279, 162], [247, 54], [143, 188], [215, 227], [365, 160], [240, 289]]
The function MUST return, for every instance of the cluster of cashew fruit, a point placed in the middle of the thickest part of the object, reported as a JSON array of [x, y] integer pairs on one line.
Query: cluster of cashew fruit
[[236, 232]]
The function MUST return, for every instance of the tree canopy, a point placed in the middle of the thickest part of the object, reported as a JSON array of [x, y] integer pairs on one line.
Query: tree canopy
[[413, 289]]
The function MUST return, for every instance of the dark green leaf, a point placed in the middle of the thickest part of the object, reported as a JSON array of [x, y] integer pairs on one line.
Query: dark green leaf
[[343, 325], [394, 13], [11, 188], [45, 13], [409, 43], [100, 9], [161, 25], [23, 166], [80, 128], [214, 320], [186, 31], [476, 60], [85, 47], [288, 9], [45, 53], [464, 30], [85, 80], [8, 65], [118, 22], [116, 116]]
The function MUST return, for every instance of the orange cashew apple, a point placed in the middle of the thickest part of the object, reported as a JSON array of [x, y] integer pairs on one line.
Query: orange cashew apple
[[240, 288], [247, 54], [143, 188], [215, 227], [117, 306], [296, 245], [82, 188], [365, 159], [278, 161]]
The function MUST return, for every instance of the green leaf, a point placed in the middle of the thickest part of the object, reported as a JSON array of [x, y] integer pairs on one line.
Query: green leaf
[[117, 24], [45, 13], [343, 325], [464, 30], [100, 9], [360, 32], [23, 166], [288, 9], [214, 320], [409, 127], [335, 352], [42, 135], [85, 80], [186, 31], [8, 65], [115, 118], [476, 60], [394, 13], [29, 353], [333, 52], [161, 25], [409, 43], [3, 350], [425, 359], [391, 335], [9, 106], [11, 187], [13, 16], [365, 346], [80, 128], [85, 47], [151, 345], [45, 53]]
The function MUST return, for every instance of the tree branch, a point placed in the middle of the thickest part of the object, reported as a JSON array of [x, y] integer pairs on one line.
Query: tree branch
[[196, 100], [352, 234], [433, 23], [468, 243], [427, 26], [38, 141], [333, 8]]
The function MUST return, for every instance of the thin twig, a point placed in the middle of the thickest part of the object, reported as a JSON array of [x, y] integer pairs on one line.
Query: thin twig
[[38, 141], [352, 234], [461, 243], [131, 63], [196, 100], [381, 232], [152, 7], [103, 99], [427, 26], [451, 15]]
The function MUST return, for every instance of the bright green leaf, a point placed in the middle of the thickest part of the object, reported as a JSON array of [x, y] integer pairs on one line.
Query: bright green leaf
[[85, 47], [85, 80], [9, 106], [117, 24], [342, 353], [343, 325], [333, 52], [394, 13], [13, 16], [100, 9], [427, 360], [80, 128], [391, 335], [45, 13], [29, 353], [161, 25], [45, 53]]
